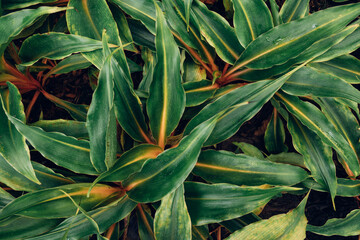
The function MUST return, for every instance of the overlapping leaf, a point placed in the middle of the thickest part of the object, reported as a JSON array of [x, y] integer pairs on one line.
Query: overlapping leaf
[[275, 135], [294, 9], [13, 148], [166, 101], [226, 167]]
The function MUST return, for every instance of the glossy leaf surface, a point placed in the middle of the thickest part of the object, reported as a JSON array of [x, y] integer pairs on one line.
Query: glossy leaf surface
[[166, 101], [161, 175], [218, 33], [172, 220], [53, 203], [240, 169], [251, 19], [317, 155], [276, 46], [13, 147], [294, 9], [79, 226], [219, 202], [64, 151], [307, 81], [347, 226], [13, 23], [55, 46], [311, 117], [283, 226]]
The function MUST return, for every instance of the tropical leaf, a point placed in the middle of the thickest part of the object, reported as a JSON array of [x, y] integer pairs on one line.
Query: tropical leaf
[[308, 81], [129, 163], [64, 151], [55, 46], [275, 134], [161, 175], [5, 198], [249, 150], [53, 203], [347, 226], [166, 101], [293, 9], [251, 19], [239, 223], [79, 226], [312, 117], [218, 202], [172, 220], [283, 226], [89, 19], [345, 187], [276, 46], [344, 67], [289, 158], [13, 148], [14, 4], [227, 167], [68, 127], [13, 23], [218, 33], [101, 122], [145, 224], [25, 227], [198, 92], [317, 155]]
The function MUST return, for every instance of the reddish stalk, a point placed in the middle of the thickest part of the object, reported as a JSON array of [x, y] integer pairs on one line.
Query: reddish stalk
[[219, 234], [143, 217], [31, 104], [232, 77], [110, 231]]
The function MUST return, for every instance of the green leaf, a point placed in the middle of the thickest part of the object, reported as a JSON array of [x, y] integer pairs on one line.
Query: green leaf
[[25, 227], [281, 43], [251, 19], [201, 232], [239, 223], [289, 158], [166, 101], [13, 23], [5, 198], [291, 225], [54, 46], [308, 81], [198, 92], [294, 9], [192, 71], [47, 177], [148, 69], [218, 202], [79, 226], [275, 134], [348, 45], [249, 150], [227, 167], [218, 33], [143, 10], [123, 27], [172, 220], [13, 147], [161, 175], [348, 226], [89, 19], [14, 4], [241, 105], [317, 155], [345, 187], [145, 224], [101, 122], [69, 64], [64, 151], [53, 203], [68, 127], [141, 35], [345, 67], [312, 117], [188, 4], [76, 111], [275, 12], [343, 120], [129, 163]]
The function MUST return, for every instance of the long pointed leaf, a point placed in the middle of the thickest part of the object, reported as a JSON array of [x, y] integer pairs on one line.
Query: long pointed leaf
[[12, 144], [251, 19], [294, 9], [168, 171], [172, 220], [166, 102], [312, 117]]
